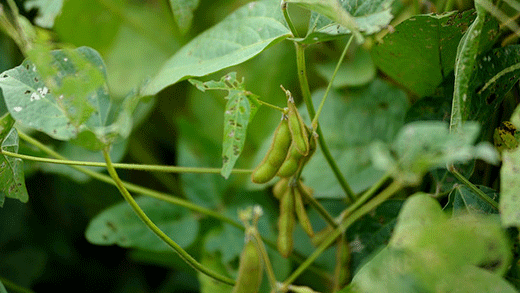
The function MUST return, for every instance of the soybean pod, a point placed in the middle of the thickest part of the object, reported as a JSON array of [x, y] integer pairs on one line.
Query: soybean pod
[[301, 213], [297, 128], [250, 269], [276, 154], [280, 188], [286, 223], [291, 163]]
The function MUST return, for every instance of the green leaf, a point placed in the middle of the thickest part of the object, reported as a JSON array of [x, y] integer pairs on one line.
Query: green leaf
[[47, 11], [467, 52], [424, 145], [464, 200], [350, 122], [183, 13], [496, 73], [357, 71], [333, 10], [421, 51], [11, 169], [2, 288], [119, 225], [240, 110], [510, 182], [239, 37]]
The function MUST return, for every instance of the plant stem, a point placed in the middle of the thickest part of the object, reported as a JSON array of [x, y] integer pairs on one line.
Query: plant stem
[[271, 105], [314, 123], [150, 224], [288, 19], [320, 209], [349, 220], [304, 84], [265, 257], [160, 196], [142, 167], [472, 186]]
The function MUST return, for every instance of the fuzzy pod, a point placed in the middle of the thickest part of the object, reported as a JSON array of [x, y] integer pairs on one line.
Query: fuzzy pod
[[301, 213], [297, 128], [276, 154], [250, 269], [280, 188], [291, 163], [286, 223]]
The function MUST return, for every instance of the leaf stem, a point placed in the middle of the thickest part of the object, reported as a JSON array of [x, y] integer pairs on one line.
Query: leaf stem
[[306, 93], [320, 209], [271, 105], [142, 167], [160, 196], [472, 186], [141, 214], [288, 19], [314, 123], [267, 262]]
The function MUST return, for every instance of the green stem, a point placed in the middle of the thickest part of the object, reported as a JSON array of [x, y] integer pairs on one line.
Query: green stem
[[14, 287], [267, 262], [288, 20], [472, 186], [314, 123], [160, 196], [142, 167], [271, 106], [304, 84], [380, 198], [320, 209], [140, 213]]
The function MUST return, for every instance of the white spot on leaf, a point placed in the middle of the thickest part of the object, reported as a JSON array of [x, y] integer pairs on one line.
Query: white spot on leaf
[[17, 109], [35, 96]]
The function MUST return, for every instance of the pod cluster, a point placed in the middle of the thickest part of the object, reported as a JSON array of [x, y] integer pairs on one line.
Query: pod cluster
[[292, 146], [292, 196]]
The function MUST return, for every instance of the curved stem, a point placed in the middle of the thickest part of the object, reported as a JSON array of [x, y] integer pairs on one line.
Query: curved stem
[[314, 123], [162, 196], [380, 198], [288, 19], [306, 93], [142, 167], [141, 214]]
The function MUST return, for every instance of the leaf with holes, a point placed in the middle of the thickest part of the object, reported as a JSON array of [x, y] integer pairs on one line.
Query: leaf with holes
[[120, 225], [238, 38], [11, 169]]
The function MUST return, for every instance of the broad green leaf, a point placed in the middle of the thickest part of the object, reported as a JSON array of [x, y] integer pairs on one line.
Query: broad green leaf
[[467, 52], [69, 100], [333, 10], [11, 169], [369, 17], [240, 110], [421, 51], [2, 288], [350, 123], [497, 71], [357, 71], [464, 200], [474, 279], [47, 11], [212, 261], [424, 145], [239, 37], [119, 225], [510, 182], [183, 13]]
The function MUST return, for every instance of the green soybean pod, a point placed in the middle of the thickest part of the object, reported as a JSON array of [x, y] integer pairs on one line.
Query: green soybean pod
[[301, 213], [291, 163], [276, 154], [286, 223], [298, 128], [280, 188], [250, 269]]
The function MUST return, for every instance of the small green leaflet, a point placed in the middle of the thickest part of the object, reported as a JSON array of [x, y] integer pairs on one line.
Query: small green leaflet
[[509, 204], [240, 110], [12, 180]]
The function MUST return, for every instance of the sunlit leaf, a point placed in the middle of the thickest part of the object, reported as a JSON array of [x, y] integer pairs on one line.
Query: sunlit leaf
[[241, 36], [120, 225]]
